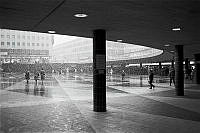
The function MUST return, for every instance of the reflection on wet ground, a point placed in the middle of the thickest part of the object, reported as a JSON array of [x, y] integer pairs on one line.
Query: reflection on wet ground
[[63, 104], [37, 90], [7, 79], [46, 89]]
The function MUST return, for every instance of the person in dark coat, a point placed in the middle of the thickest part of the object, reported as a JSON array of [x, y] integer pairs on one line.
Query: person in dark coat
[[36, 76], [172, 76], [123, 75], [27, 76], [42, 74], [151, 75]]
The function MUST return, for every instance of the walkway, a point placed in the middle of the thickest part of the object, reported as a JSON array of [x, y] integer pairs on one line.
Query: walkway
[[64, 104]]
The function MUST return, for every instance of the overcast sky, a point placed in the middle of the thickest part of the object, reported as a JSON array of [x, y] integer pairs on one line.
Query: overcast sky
[[58, 39]]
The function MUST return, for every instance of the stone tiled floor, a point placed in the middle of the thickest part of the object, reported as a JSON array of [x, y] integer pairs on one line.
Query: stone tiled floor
[[64, 104]]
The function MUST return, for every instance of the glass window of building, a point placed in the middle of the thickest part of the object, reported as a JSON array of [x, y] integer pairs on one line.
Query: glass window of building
[[38, 37], [28, 44], [47, 45], [2, 43], [42, 44], [23, 43], [13, 36], [28, 37], [8, 36], [23, 36], [18, 43], [2, 36], [8, 43], [13, 44], [33, 37], [38, 44], [18, 36], [33, 44]]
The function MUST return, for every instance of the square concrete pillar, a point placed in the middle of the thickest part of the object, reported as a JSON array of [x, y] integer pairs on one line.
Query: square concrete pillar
[[99, 70], [179, 74], [197, 68]]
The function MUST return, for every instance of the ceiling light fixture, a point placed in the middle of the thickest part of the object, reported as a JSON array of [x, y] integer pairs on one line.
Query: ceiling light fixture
[[51, 31], [172, 51], [119, 40], [80, 15], [166, 45], [176, 29]]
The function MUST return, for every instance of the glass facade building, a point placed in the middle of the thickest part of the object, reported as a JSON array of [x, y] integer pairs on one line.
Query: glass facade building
[[80, 50]]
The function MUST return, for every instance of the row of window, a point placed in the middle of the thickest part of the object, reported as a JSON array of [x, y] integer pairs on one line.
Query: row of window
[[23, 44], [25, 52], [24, 37]]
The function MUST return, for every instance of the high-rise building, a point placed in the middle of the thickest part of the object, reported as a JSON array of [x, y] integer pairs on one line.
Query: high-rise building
[[24, 46]]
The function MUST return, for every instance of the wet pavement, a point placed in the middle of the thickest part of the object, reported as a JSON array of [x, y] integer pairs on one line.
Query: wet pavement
[[63, 103]]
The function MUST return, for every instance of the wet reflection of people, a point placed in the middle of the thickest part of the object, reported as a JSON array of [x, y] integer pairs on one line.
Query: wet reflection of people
[[42, 90], [36, 89], [141, 81], [27, 88]]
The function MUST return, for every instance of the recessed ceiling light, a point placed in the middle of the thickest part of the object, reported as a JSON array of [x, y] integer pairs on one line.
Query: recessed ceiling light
[[176, 29], [51, 31], [166, 45], [80, 15], [172, 51], [119, 40]]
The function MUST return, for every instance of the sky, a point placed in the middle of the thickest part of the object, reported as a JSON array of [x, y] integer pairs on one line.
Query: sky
[[58, 39]]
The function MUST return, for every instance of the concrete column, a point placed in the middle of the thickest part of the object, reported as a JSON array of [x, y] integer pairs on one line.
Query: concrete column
[[197, 68], [99, 70], [160, 68], [179, 75], [172, 63]]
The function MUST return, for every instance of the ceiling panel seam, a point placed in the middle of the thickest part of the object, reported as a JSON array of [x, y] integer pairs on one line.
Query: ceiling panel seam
[[50, 13]]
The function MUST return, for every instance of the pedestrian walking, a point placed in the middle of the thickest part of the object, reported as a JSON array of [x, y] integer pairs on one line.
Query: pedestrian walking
[[123, 75], [36, 76], [151, 76], [42, 74], [172, 76], [27, 76]]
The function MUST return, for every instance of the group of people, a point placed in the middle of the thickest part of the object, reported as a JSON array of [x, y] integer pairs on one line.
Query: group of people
[[36, 76], [171, 78]]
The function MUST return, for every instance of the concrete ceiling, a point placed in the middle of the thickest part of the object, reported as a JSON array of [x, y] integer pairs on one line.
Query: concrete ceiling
[[143, 22]]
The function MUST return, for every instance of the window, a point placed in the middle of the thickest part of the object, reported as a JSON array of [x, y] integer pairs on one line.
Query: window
[[18, 43], [8, 36], [42, 44], [2, 36], [38, 44], [33, 44], [28, 44], [18, 36], [2, 43], [33, 37], [8, 43], [13, 44], [47, 45], [28, 37], [13, 36], [23, 36], [23, 43]]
